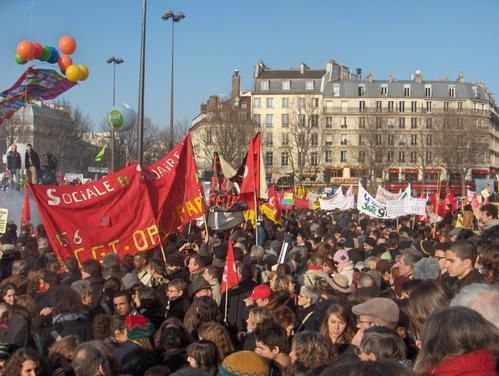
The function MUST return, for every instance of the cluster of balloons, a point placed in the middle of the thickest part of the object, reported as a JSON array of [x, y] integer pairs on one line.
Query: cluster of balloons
[[121, 117], [26, 51]]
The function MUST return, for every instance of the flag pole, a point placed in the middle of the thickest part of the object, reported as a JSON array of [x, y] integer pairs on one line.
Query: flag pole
[[256, 218], [226, 309], [162, 251]]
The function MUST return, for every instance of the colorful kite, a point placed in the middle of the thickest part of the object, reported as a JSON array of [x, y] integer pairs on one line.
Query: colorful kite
[[34, 84]]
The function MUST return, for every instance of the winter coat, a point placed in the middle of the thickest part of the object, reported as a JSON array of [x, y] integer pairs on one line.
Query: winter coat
[[34, 161], [13, 161], [476, 363]]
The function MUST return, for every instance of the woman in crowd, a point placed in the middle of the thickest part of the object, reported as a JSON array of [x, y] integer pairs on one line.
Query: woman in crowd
[[8, 293], [310, 350], [380, 343], [203, 355], [428, 297], [61, 354], [458, 341], [256, 316], [24, 362], [338, 326], [216, 333]]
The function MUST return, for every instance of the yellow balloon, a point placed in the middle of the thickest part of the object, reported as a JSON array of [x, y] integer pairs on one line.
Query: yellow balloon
[[73, 73], [84, 72]]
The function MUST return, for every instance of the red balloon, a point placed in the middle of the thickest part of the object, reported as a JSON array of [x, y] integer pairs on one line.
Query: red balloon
[[37, 50], [67, 45], [25, 50], [64, 62]]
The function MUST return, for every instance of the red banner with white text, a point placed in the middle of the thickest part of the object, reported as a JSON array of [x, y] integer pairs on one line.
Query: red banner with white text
[[111, 215]]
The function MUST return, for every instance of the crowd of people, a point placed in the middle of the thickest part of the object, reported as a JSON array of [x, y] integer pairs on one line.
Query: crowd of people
[[354, 296]]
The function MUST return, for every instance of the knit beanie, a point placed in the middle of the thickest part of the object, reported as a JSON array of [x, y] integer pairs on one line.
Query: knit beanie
[[244, 363], [138, 327]]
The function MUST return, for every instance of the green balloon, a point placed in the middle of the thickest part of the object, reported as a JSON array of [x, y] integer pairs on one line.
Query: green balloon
[[45, 54], [19, 60]]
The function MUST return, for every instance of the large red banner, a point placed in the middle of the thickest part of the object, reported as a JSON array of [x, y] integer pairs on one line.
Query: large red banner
[[113, 214]]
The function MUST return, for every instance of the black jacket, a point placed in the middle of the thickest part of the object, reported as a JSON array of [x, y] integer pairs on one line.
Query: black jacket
[[236, 310], [65, 324], [13, 161], [35, 160]]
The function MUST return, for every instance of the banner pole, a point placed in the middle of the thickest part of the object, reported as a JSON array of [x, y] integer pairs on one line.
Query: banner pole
[[226, 309], [397, 225], [162, 250]]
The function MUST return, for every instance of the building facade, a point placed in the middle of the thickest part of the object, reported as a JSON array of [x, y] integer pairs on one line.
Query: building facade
[[334, 126]]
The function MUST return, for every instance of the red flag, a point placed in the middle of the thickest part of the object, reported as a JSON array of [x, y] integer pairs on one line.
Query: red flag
[[174, 189], [248, 185], [26, 214], [229, 278]]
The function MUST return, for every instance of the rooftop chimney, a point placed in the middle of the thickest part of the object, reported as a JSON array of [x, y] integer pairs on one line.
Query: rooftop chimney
[[303, 68], [236, 84], [418, 77], [359, 73]]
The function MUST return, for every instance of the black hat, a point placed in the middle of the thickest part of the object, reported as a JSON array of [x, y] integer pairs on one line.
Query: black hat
[[197, 285]]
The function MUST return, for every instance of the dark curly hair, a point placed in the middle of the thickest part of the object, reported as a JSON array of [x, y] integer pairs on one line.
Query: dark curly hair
[[15, 363]]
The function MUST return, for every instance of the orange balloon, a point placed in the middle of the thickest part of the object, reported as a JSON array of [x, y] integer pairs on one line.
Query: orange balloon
[[67, 45], [25, 50], [64, 62]]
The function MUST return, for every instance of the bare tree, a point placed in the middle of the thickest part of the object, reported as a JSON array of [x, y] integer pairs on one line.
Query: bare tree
[[302, 140], [463, 143]]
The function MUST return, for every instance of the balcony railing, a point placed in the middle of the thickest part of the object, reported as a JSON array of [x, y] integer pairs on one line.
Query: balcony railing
[[408, 110]]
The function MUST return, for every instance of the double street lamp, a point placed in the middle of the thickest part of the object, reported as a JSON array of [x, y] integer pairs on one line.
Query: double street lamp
[[114, 60], [175, 17]]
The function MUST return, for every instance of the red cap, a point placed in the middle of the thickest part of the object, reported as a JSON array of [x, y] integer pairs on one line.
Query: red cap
[[261, 292]]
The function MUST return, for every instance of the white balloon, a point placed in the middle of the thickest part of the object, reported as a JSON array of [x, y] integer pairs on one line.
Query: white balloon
[[121, 117]]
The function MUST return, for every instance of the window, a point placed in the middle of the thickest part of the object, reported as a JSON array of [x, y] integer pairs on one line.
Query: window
[[269, 159], [391, 123], [401, 157], [344, 106], [336, 90], [452, 91], [414, 139], [284, 158], [286, 85], [344, 122], [407, 90], [243, 116], [314, 159], [257, 103], [378, 106], [343, 156], [244, 106], [362, 156], [361, 90], [343, 139], [315, 102], [301, 102], [401, 106], [265, 85], [329, 139], [384, 90], [378, 122], [460, 123], [301, 120], [268, 120], [362, 106], [401, 122], [270, 102], [429, 157], [284, 139], [328, 156], [391, 140], [429, 139], [459, 106], [446, 123], [285, 102], [389, 156], [329, 106], [268, 139], [429, 123], [314, 139], [414, 106], [314, 120], [391, 106], [309, 85], [329, 122], [428, 92], [362, 140], [362, 123], [301, 139], [475, 91], [414, 157], [414, 123], [446, 106], [284, 120], [208, 137], [428, 106], [378, 139], [257, 119]]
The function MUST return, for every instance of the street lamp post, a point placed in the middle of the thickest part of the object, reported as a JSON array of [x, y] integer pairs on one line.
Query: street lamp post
[[175, 17], [140, 123], [113, 60]]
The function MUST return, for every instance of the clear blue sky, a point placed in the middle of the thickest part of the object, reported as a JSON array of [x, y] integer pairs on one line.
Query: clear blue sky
[[441, 38]]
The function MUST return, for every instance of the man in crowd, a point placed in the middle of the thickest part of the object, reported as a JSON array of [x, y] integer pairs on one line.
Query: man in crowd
[[14, 166], [461, 258], [32, 164]]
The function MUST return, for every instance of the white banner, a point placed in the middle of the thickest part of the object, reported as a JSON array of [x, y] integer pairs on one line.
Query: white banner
[[367, 204], [415, 206], [383, 195], [395, 208], [338, 202]]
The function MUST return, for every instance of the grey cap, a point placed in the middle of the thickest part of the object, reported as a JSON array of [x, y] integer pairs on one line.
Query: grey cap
[[426, 268]]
